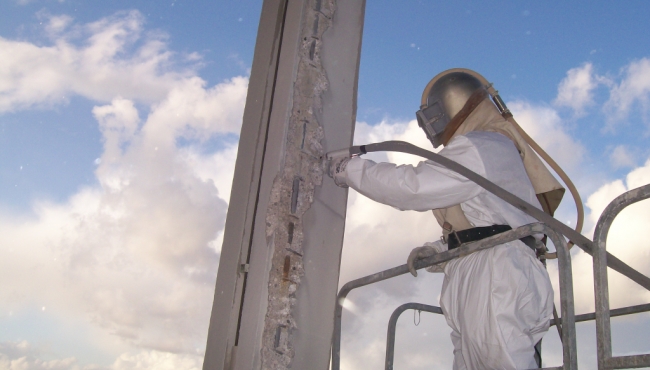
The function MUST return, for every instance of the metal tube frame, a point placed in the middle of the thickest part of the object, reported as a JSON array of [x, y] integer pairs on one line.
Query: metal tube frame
[[604, 333], [613, 313], [566, 285], [392, 327], [603, 328], [392, 323]]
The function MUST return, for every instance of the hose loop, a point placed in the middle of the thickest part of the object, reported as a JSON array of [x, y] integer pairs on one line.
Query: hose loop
[[505, 112]]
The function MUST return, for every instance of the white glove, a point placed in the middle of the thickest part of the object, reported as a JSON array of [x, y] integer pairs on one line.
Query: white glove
[[427, 250], [337, 170]]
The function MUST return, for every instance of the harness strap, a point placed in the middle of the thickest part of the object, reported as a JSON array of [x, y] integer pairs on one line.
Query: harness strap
[[457, 238]]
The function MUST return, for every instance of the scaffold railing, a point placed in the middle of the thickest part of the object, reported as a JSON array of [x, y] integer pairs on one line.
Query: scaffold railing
[[603, 313], [566, 321], [566, 285]]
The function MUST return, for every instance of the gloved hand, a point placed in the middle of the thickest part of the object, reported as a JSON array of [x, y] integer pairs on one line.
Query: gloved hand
[[337, 170], [427, 250]]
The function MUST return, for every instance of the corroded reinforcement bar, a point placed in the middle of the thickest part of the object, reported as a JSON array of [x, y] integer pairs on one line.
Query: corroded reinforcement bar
[[392, 326], [565, 276], [603, 328]]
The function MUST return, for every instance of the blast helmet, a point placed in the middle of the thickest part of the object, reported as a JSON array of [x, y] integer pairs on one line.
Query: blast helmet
[[445, 96]]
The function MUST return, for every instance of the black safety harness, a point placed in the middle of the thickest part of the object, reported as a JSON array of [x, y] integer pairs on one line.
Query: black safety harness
[[457, 238]]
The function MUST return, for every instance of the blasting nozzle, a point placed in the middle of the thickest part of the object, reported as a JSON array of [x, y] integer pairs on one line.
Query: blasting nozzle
[[352, 151], [338, 153], [347, 152]]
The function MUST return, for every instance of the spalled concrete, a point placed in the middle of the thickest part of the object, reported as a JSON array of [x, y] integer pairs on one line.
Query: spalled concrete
[[278, 274], [293, 191]]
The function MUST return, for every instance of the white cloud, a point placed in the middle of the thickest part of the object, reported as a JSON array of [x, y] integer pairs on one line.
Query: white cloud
[[137, 254], [133, 254], [57, 24], [100, 60], [157, 360], [576, 89], [633, 89], [546, 127], [637, 177], [23, 356], [622, 157]]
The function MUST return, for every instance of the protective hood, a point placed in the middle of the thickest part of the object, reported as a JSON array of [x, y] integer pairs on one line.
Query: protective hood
[[486, 117]]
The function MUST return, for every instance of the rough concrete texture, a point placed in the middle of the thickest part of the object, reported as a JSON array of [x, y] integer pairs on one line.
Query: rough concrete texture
[[293, 190]]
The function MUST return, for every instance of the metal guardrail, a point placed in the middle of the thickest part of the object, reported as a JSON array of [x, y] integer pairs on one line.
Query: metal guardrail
[[603, 328], [392, 323], [613, 313], [602, 314], [569, 354], [392, 327]]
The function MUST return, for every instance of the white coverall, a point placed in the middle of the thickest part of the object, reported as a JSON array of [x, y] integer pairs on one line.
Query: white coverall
[[498, 301]]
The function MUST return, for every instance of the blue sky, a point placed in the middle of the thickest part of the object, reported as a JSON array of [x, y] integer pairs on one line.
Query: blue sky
[[117, 117]]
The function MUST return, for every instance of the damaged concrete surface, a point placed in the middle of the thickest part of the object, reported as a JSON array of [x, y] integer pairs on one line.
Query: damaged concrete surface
[[279, 267], [293, 190]]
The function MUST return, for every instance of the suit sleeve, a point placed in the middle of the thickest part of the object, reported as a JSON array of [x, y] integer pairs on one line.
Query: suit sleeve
[[421, 188]]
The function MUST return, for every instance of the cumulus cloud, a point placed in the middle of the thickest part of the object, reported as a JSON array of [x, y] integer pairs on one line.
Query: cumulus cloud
[[157, 360], [633, 90], [56, 24], [545, 126], [23, 356], [622, 157], [101, 60], [147, 228], [137, 253], [576, 89]]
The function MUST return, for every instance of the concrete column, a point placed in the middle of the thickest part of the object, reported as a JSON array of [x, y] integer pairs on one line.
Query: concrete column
[[279, 267]]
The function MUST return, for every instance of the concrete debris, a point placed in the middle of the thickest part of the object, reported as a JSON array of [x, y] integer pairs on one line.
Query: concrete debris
[[293, 190]]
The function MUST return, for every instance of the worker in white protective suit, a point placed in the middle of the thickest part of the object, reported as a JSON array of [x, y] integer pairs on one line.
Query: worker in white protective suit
[[498, 301]]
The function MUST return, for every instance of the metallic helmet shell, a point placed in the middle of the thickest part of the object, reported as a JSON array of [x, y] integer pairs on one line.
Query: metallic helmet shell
[[442, 99]]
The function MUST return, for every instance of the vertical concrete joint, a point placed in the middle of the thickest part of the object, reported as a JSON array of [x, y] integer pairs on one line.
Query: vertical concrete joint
[[293, 189]]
